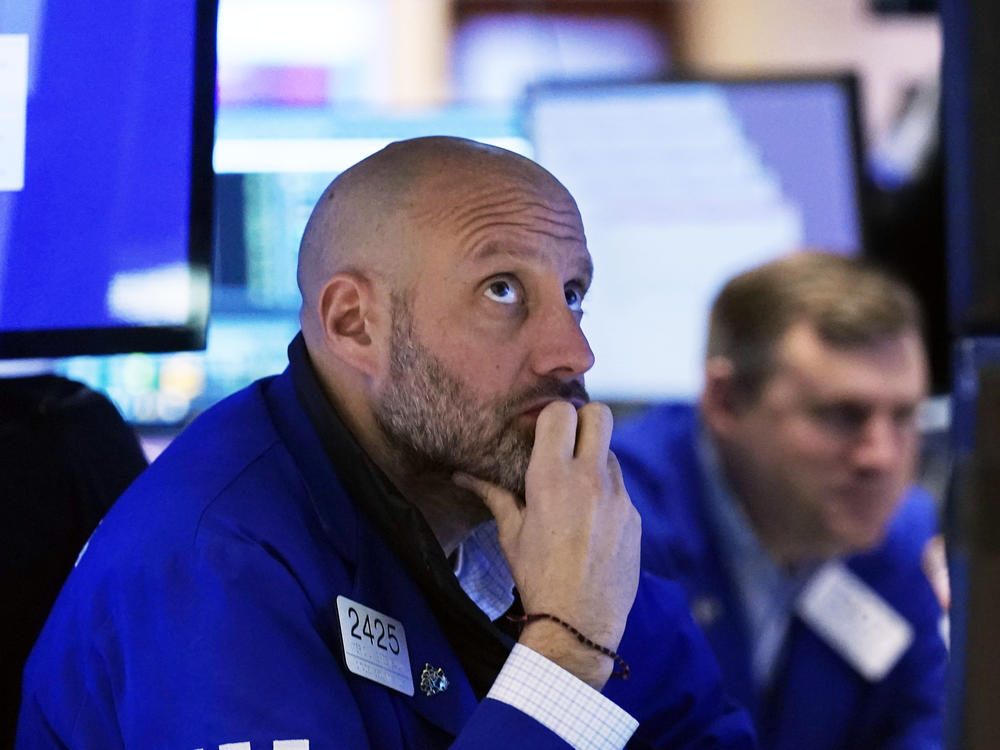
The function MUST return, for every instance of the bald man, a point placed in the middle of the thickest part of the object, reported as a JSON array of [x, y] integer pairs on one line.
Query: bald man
[[416, 536]]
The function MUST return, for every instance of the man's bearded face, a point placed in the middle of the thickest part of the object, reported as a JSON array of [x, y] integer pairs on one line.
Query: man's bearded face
[[438, 424]]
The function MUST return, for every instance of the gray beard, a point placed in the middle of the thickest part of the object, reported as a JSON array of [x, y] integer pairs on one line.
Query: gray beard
[[436, 425]]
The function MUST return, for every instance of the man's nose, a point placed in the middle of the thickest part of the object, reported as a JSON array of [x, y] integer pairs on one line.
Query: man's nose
[[559, 347], [881, 444]]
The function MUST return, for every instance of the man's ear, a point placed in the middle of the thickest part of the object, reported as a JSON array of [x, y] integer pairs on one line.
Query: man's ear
[[720, 403], [350, 317]]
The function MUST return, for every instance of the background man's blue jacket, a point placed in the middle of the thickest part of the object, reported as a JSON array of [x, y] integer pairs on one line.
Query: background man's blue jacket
[[820, 701], [203, 612]]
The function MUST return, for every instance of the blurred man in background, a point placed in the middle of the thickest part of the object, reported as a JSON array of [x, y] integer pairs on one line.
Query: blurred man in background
[[785, 508]]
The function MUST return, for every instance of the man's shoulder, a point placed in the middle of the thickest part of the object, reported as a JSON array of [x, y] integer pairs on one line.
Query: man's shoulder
[[913, 525], [659, 424], [233, 431], [227, 472], [657, 441], [224, 443], [657, 450]]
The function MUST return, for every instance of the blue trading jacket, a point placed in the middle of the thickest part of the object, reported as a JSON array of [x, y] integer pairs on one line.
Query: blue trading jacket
[[203, 613], [819, 701]]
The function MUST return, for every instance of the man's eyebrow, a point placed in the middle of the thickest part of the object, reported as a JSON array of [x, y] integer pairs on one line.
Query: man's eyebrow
[[585, 270], [584, 264]]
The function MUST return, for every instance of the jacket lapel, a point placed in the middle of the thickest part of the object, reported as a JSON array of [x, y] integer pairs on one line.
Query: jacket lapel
[[381, 583], [716, 609], [697, 564], [817, 700]]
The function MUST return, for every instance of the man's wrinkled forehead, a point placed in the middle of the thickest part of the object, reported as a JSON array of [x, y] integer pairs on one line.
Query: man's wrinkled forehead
[[449, 203], [467, 202]]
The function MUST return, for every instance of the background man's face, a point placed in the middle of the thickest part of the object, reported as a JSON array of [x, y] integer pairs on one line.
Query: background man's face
[[831, 442], [490, 332]]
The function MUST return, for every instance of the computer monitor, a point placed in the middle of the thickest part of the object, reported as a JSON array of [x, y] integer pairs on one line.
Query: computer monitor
[[683, 183], [106, 128]]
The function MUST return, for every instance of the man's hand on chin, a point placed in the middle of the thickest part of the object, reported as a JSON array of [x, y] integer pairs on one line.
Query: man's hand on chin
[[573, 546]]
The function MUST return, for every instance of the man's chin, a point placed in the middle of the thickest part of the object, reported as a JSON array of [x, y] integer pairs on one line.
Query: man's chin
[[510, 478], [515, 488], [854, 538], [859, 527]]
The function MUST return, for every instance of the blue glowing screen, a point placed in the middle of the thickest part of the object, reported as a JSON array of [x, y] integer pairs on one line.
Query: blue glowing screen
[[103, 126]]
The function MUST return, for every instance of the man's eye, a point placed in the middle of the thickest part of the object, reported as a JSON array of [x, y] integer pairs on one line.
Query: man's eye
[[844, 418], [502, 291], [574, 298]]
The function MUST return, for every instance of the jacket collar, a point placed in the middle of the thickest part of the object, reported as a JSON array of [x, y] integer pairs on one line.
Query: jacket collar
[[399, 567], [660, 458]]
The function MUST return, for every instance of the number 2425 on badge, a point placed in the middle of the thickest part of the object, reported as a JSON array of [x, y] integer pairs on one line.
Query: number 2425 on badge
[[374, 645]]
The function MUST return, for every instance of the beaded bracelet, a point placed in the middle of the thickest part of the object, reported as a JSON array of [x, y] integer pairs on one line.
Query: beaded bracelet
[[525, 619]]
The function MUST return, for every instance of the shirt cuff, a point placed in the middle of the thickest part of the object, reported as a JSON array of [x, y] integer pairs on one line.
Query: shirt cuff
[[561, 702]]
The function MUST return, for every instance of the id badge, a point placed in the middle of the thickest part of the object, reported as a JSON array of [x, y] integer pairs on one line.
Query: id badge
[[374, 645]]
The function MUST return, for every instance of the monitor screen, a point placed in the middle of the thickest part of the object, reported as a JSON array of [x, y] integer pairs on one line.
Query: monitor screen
[[106, 128], [683, 183]]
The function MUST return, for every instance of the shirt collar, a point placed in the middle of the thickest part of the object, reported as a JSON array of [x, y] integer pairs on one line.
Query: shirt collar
[[765, 589], [731, 522], [482, 570], [729, 519]]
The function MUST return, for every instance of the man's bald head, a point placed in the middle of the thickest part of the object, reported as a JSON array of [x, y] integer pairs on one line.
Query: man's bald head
[[366, 218], [442, 281]]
